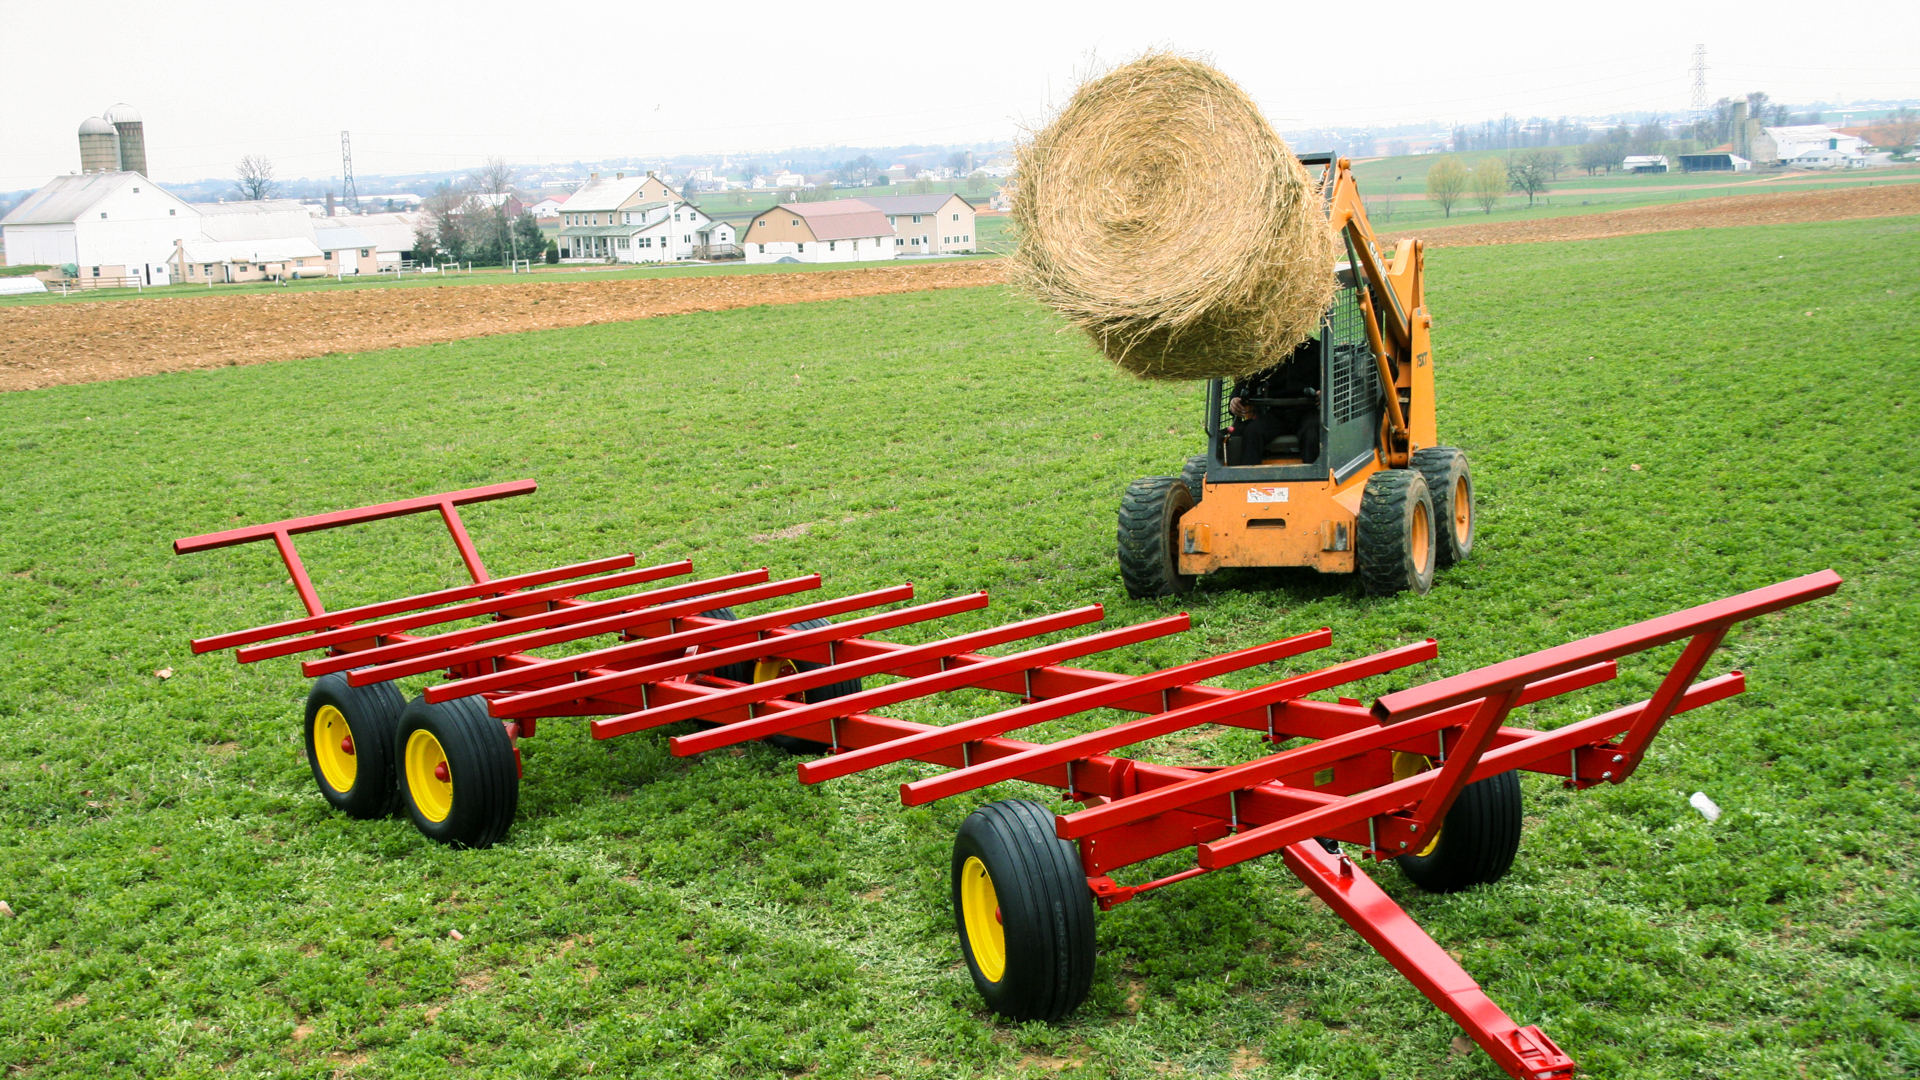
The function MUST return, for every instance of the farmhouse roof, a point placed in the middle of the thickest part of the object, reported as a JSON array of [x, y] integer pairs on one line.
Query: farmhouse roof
[[67, 198], [912, 204], [841, 219], [605, 194], [389, 232]]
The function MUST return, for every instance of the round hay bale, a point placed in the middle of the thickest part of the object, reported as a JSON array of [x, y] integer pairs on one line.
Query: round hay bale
[[1160, 213]]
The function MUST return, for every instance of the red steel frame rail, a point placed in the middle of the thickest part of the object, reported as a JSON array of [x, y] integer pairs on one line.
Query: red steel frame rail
[[1337, 787]]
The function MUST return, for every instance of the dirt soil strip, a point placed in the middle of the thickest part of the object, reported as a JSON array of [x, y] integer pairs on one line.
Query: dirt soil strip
[[1772, 208], [54, 344]]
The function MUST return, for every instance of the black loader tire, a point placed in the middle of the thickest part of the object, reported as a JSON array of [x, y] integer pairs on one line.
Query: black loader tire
[[1150, 536], [744, 672], [349, 734], [473, 804], [1394, 550], [1031, 910], [1450, 484], [1194, 474], [1477, 843]]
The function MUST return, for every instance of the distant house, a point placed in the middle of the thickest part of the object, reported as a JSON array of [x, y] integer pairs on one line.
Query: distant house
[[506, 202], [1714, 161], [392, 235], [629, 220], [548, 209], [843, 230], [111, 225], [1645, 163], [1828, 158], [928, 224]]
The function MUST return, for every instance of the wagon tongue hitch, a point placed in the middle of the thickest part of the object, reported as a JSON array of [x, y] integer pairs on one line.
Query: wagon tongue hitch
[[1425, 776]]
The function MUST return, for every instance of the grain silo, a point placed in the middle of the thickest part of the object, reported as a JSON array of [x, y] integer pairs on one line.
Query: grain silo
[[99, 146], [133, 137]]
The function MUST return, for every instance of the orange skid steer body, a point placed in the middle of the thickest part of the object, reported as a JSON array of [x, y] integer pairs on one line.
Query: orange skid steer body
[[1354, 481]]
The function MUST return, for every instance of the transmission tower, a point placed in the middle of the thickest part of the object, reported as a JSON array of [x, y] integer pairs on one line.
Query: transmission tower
[[346, 172], [1699, 82]]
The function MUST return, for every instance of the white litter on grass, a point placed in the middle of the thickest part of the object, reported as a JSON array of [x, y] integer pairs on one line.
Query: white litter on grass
[[1707, 807]]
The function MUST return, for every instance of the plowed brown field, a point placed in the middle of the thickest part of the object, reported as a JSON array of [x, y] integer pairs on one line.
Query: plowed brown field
[[53, 344], [1773, 208]]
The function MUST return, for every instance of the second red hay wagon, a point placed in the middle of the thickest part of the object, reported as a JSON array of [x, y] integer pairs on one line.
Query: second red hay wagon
[[1424, 776]]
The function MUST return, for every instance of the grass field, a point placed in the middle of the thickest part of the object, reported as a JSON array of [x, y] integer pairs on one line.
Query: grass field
[[1654, 421]]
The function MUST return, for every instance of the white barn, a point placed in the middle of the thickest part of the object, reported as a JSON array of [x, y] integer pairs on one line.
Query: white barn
[[843, 230], [110, 225]]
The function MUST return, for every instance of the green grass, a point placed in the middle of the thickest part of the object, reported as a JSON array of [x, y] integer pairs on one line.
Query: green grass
[[22, 270], [186, 905]]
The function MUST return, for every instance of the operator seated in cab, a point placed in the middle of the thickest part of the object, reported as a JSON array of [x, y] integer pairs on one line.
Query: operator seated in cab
[[1276, 410]]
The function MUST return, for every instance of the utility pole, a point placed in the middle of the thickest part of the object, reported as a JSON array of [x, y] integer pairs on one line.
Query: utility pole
[[352, 197], [1699, 82]]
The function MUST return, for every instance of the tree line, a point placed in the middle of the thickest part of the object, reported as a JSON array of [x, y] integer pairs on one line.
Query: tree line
[[467, 221]]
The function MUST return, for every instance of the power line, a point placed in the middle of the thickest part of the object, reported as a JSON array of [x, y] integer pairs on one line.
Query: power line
[[346, 172], [1699, 82]]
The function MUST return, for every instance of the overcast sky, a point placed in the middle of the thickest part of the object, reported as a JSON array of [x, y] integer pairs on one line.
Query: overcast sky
[[441, 85]]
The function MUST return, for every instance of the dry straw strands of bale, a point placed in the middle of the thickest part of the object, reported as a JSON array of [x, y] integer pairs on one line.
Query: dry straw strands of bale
[[1160, 213]]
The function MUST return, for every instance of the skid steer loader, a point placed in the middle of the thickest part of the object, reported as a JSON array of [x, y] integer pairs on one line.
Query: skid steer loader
[[1326, 459]]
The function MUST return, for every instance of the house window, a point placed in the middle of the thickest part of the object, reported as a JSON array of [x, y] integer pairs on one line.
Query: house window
[[956, 217], [763, 247], [832, 245], [171, 212], [967, 239], [209, 268], [103, 215], [801, 248], [363, 253], [761, 223], [136, 191], [629, 219], [898, 242], [622, 242], [795, 222], [686, 239], [96, 270], [916, 219]]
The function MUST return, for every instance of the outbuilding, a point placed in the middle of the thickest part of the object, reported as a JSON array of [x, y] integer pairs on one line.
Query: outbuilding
[[1714, 161], [116, 228], [843, 230], [1645, 163]]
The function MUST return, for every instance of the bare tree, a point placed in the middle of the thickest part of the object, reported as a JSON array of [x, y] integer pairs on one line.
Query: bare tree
[[1528, 173], [1446, 181], [1897, 131], [1488, 183], [496, 177], [977, 182], [254, 178], [864, 165]]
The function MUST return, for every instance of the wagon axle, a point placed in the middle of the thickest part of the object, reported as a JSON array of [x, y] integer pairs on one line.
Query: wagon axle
[[1424, 776]]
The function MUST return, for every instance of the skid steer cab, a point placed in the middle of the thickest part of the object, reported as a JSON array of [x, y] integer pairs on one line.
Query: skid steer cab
[[1328, 458]]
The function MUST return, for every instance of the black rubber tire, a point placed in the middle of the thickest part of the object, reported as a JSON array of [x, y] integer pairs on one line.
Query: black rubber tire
[[743, 673], [372, 715], [481, 767], [1387, 551], [1478, 842], [1045, 910], [1450, 485], [1194, 475], [1149, 536]]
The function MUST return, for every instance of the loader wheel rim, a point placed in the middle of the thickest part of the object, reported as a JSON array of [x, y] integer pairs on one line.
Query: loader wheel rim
[[432, 796], [1462, 509], [980, 912], [1420, 543], [1404, 766], [339, 766]]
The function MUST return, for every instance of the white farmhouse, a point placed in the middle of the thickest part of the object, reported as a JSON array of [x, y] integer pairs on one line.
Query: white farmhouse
[[629, 220], [1802, 140], [110, 225], [844, 230]]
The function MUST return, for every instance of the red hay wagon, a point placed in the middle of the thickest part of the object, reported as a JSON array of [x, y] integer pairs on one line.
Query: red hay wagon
[[1425, 776]]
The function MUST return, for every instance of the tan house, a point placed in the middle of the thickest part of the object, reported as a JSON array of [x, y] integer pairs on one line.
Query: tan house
[[349, 251], [222, 262], [842, 230], [928, 224]]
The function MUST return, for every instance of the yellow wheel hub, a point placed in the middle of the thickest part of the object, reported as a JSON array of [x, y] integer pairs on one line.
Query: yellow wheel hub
[[1422, 538], [980, 914], [773, 668], [1405, 765], [429, 781], [333, 748]]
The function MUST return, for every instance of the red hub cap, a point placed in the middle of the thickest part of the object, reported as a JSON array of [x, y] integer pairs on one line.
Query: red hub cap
[[346, 744], [440, 772]]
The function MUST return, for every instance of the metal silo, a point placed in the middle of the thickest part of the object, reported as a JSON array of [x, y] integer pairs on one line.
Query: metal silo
[[99, 146], [133, 137]]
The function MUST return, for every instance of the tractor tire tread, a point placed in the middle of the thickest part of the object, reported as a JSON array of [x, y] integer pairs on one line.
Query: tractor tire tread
[[1148, 564], [373, 715], [1438, 465], [485, 770], [1381, 555], [1040, 873]]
